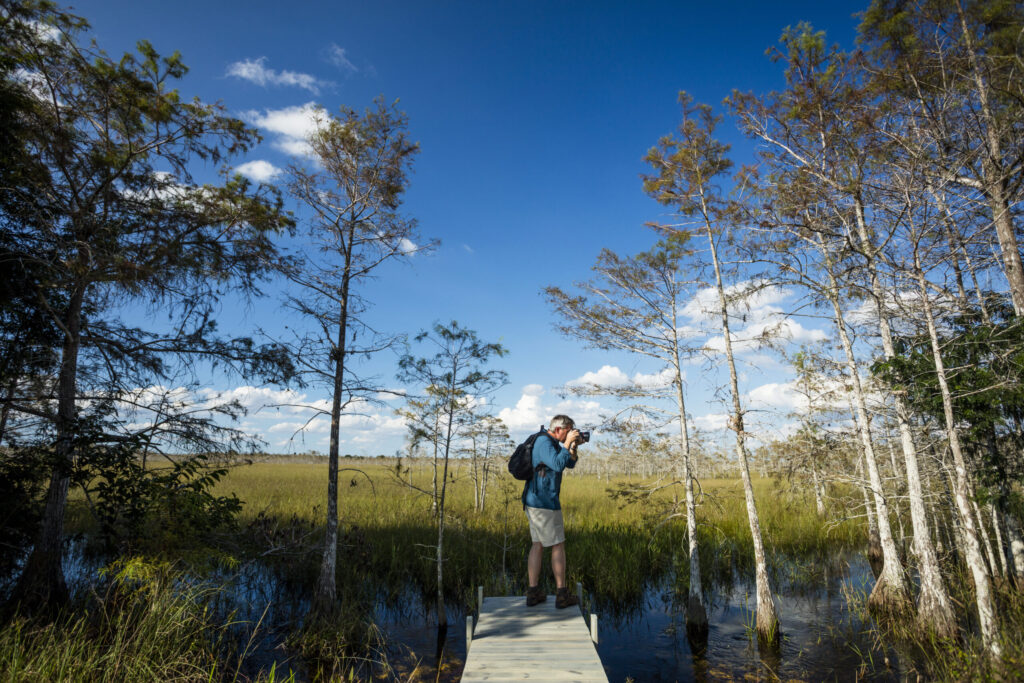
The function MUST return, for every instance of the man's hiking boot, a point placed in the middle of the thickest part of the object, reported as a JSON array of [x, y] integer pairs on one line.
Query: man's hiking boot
[[535, 596], [565, 599]]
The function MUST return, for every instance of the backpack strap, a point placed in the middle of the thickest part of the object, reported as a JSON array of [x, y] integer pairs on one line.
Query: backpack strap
[[543, 432]]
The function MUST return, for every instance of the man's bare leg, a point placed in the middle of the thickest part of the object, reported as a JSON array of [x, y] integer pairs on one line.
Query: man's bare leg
[[557, 564], [533, 563]]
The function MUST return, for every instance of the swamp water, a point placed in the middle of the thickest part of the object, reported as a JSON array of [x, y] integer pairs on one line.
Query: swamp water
[[823, 637]]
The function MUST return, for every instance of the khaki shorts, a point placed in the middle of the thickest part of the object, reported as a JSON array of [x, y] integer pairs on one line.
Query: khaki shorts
[[546, 526]]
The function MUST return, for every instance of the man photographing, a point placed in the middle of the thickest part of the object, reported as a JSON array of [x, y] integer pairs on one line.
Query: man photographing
[[544, 511]]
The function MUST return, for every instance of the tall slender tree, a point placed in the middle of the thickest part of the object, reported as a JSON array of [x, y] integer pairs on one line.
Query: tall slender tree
[[686, 169], [352, 198], [453, 378], [486, 437], [633, 304]]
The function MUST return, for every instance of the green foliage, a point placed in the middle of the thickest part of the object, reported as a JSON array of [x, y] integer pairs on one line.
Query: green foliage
[[687, 165], [986, 379], [23, 476], [452, 378], [168, 507], [108, 214]]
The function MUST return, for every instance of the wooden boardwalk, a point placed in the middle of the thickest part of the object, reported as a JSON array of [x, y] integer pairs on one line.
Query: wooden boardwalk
[[513, 642]]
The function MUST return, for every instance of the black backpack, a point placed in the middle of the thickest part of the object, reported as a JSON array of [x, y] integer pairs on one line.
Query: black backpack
[[520, 465]]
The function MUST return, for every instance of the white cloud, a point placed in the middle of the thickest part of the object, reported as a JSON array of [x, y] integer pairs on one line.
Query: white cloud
[[293, 427], [259, 170], [611, 376], [254, 71], [755, 318], [754, 336], [774, 324], [607, 376], [293, 126], [530, 412], [712, 421], [776, 396], [158, 397], [527, 413], [832, 394], [336, 55], [586, 413], [390, 394], [47, 32], [407, 246], [369, 426], [742, 297], [256, 399], [36, 85], [251, 397], [658, 380], [533, 390]]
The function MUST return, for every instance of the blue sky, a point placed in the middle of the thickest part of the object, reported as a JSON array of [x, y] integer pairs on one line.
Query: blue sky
[[533, 119]]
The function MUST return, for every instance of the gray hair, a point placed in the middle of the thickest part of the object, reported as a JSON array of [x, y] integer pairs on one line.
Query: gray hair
[[561, 421]]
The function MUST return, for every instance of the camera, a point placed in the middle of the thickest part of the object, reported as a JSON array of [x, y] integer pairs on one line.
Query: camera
[[584, 436]]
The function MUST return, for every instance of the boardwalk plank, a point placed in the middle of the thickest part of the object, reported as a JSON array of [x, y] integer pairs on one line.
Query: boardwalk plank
[[513, 642]]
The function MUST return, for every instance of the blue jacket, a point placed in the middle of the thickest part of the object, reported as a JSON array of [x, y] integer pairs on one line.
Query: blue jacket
[[542, 491]]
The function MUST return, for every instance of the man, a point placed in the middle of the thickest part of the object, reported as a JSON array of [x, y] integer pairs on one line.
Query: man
[[544, 511]]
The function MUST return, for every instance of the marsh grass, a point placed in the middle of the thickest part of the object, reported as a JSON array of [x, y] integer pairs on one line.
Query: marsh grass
[[614, 550], [929, 657], [149, 624], [386, 564]]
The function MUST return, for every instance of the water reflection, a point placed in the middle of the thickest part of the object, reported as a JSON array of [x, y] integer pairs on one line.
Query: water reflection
[[645, 640], [822, 638]]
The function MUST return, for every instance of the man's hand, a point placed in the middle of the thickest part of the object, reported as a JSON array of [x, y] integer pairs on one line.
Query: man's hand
[[572, 442]]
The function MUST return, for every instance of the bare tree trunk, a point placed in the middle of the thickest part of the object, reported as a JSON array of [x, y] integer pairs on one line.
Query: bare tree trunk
[[442, 613], [986, 539], [326, 591], [475, 469], [486, 471], [696, 614], [42, 585], [934, 610], [897, 476], [6, 410], [982, 584], [875, 559], [948, 228], [433, 481], [818, 500], [1000, 548], [958, 527], [1013, 533], [767, 614], [890, 591], [483, 488], [995, 178]]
